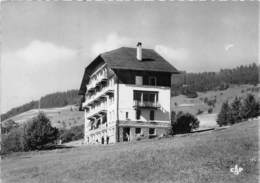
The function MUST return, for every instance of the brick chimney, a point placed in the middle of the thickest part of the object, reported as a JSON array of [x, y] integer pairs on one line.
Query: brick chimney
[[139, 51]]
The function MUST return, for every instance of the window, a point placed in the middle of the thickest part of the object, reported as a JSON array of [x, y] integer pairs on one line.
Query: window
[[151, 131], [137, 96], [152, 115], [138, 80], [138, 114], [137, 130], [152, 81], [126, 115], [149, 96], [152, 97]]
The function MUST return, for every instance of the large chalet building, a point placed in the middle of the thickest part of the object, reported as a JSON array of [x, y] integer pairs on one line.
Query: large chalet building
[[126, 94]]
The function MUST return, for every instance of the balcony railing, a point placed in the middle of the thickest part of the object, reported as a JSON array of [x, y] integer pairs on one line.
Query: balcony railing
[[98, 109], [95, 81], [94, 130], [146, 104], [102, 93]]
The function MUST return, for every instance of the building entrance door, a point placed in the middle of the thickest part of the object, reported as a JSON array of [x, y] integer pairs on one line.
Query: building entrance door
[[126, 134]]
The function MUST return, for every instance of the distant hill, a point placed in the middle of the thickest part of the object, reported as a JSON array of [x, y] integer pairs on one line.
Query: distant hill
[[190, 83], [61, 117], [58, 99]]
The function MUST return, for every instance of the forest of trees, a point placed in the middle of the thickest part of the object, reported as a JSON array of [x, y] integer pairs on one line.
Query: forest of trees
[[202, 82], [58, 99]]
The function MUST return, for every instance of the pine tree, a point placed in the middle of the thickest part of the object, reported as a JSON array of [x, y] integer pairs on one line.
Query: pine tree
[[236, 115], [250, 108], [224, 115], [39, 132]]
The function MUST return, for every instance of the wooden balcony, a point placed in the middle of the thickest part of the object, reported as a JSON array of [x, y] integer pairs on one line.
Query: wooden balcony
[[96, 80], [146, 104]]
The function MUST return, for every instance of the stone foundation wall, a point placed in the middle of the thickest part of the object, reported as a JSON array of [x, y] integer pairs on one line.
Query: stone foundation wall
[[133, 136], [144, 133]]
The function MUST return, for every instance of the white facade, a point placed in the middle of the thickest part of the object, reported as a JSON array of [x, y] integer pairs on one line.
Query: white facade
[[111, 110]]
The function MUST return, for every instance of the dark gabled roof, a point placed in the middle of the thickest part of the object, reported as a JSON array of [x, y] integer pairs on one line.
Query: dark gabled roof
[[125, 58]]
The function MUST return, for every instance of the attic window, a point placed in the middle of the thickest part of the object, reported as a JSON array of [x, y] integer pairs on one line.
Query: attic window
[[138, 80]]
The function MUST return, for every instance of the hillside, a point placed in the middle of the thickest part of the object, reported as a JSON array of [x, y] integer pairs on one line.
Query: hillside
[[211, 99], [54, 100], [190, 83], [198, 157], [63, 117]]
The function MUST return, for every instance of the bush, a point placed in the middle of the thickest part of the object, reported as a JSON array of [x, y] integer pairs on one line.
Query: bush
[[74, 133], [184, 123], [210, 110], [34, 134], [223, 86], [13, 141], [8, 125], [210, 102], [199, 112], [192, 95], [39, 132]]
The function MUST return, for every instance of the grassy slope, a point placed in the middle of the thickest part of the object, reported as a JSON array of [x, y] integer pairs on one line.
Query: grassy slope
[[221, 96], [70, 115], [192, 105], [200, 157]]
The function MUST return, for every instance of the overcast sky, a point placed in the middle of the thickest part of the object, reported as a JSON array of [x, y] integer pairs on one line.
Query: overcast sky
[[46, 45]]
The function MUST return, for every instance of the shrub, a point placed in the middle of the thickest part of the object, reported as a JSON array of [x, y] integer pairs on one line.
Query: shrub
[[210, 102], [74, 133], [173, 120], [13, 141], [39, 132], [184, 123], [192, 95], [210, 110], [199, 112], [223, 86], [8, 125]]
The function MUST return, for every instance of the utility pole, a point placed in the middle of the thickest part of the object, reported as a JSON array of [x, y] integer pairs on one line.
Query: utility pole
[[39, 105]]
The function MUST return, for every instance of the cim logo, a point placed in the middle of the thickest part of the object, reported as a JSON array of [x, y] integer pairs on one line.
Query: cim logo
[[236, 170]]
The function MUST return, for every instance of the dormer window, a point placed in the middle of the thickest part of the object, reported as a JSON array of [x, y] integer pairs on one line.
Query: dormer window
[[138, 80]]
